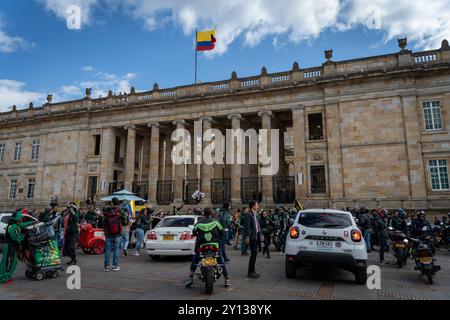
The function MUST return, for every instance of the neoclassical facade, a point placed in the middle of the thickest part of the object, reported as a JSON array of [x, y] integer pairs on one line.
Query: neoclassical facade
[[371, 131]]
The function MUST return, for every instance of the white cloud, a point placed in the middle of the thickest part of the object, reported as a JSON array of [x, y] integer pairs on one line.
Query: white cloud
[[100, 82], [10, 44], [59, 7], [13, 93], [88, 68], [426, 22]]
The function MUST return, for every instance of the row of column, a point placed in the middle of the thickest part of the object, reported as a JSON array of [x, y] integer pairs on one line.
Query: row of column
[[206, 169]]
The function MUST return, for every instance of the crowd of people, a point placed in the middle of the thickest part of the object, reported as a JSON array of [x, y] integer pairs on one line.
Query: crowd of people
[[250, 229]]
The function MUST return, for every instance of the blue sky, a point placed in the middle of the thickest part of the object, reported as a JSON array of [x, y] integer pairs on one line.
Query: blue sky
[[123, 43]]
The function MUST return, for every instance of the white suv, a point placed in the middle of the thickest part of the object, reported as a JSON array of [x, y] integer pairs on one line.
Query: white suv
[[4, 220], [324, 237]]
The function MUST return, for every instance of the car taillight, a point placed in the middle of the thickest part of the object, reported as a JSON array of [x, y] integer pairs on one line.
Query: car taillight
[[151, 235], [356, 236], [294, 232], [186, 236]]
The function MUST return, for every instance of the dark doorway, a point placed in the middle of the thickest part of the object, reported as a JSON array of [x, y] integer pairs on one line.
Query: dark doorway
[[92, 187], [318, 182]]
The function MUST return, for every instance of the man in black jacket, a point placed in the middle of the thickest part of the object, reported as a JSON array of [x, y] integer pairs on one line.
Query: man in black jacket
[[254, 234]]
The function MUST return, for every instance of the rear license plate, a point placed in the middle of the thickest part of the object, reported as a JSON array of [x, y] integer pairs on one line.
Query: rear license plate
[[209, 262], [426, 260], [168, 237], [324, 244]]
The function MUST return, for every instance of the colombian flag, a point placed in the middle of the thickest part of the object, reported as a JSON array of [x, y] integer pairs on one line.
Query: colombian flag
[[206, 40]]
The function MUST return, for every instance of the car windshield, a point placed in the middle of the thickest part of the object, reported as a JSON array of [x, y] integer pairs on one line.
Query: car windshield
[[176, 223], [325, 220]]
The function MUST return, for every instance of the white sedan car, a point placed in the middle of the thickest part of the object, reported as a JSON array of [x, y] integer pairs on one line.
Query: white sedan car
[[172, 237]]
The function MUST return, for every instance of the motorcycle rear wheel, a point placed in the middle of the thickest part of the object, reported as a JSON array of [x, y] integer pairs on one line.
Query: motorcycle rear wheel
[[209, 280]]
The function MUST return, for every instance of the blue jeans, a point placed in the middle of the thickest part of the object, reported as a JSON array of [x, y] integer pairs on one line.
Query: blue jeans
[[113, 241], [124, 239], [367, 238], [222, 245], [139, 238]]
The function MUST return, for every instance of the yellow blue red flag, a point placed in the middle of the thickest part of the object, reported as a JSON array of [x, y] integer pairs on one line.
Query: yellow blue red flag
[[206, 40]]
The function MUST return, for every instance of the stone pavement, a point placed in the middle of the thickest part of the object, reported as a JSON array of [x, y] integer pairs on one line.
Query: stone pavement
[[143, 278]]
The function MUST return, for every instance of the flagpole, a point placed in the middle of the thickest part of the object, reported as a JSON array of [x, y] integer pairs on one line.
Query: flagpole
[[196, 54]]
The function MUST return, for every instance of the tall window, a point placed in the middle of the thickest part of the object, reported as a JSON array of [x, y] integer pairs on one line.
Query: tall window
[[439, 175], [315, 125], [432, 115], [12, 189], [35, 150], [2, 152], [17, 151], [318, 182], [31, 185], [97, 141]]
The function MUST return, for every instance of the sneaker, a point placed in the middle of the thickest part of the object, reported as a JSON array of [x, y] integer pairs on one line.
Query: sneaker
[[115, 269], [190, 282], [253, 275], [106, 269], [136, 254], [227, 260], [227, 283], [125, 253]]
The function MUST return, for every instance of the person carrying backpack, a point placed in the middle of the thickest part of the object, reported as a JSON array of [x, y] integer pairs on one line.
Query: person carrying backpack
[[114, 218]]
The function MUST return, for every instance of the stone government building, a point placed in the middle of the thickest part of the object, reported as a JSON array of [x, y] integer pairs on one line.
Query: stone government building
[[371, 131]]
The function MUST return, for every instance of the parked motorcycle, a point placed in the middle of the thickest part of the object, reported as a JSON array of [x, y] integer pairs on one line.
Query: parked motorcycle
[[210, 269], [423, 256], [400, 248]]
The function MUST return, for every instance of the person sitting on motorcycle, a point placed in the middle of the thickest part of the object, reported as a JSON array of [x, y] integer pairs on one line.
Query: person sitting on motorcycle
[[398, 221], [418, 225], [207, 231]]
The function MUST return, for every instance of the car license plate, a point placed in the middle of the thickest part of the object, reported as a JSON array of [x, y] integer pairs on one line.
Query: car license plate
[[325, 244], [426, 260], [168, 237], [400, 245]]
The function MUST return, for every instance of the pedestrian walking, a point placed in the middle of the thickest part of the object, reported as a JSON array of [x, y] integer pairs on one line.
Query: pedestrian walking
[[223, 218], [266, 227], [381, 223], [254, 234], [243, 227], [142, 226], [71, 220], [366, 227], [113, 220]]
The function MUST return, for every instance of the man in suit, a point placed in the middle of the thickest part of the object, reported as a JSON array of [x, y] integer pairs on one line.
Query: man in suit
[[254, 235]]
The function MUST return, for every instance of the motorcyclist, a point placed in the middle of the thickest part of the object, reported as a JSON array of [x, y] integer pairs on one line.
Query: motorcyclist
[[207, 231], [418, 225]]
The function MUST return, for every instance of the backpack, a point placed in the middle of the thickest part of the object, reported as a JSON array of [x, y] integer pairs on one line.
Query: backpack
[[113, 222]]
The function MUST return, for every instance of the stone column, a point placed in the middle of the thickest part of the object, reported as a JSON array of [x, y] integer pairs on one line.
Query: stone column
[[130, 157], [180, 171], [153, 173], [335, 179], [300, 167], [267, 181], [107, 160], [207, 169], [418, 189], [236, 200]]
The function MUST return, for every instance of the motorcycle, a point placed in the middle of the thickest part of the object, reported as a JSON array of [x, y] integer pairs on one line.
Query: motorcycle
[[210, 269], [400, 248], [446, 236], [423, 256]]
